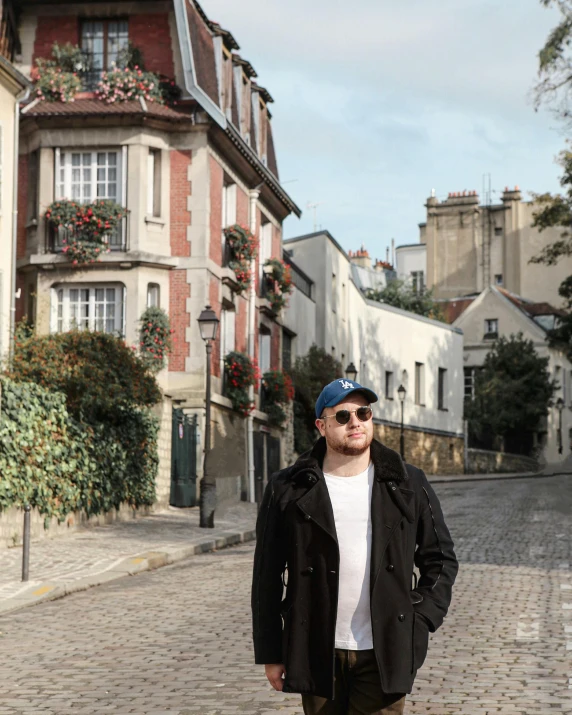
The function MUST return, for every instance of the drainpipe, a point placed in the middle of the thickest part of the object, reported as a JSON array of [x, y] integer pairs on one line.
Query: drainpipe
[[19, 98], [254, 194]]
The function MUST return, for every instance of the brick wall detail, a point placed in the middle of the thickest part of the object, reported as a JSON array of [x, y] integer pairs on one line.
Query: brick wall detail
[[61, 28], [180, 191], [179, 291], [150, 33]]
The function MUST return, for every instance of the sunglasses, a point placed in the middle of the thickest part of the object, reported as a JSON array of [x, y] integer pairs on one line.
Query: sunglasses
[[343, 416]]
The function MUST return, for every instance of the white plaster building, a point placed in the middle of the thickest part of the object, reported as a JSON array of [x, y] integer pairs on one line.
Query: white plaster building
[[389, 347], [496, 312]]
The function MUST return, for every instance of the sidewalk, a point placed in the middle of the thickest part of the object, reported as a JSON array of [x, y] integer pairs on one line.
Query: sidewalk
[[100, 554]]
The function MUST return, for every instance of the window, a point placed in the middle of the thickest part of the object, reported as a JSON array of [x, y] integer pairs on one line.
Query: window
[[153, 295], [498, 279], [418, 281], [228, 214], [227, 333], [287, 340], [89, 307], [343, 306], [442, 389], [89, 175], [102, 40], [498, 230], [154, 183], [469, 377], [420, 384], [491, 328], [264, 352], [388, 385], [33, 176], [265, 245]]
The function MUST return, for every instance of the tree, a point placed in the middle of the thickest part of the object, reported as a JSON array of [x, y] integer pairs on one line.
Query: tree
[[556, 211], [513, 392], [310, 373], [554, 87], [400, 294]]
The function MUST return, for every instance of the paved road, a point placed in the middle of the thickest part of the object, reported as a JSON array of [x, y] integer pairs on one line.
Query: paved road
[[177, 640]]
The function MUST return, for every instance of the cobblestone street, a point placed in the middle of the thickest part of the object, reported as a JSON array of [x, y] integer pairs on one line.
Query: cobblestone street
[[177, 640]]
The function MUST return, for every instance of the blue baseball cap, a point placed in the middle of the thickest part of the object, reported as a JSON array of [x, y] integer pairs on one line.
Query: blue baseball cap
[[337, 390]]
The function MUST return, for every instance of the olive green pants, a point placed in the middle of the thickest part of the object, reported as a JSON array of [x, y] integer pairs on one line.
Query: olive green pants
[[357, 689]]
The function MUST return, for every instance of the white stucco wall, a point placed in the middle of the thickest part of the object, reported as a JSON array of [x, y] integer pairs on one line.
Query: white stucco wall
[[411, 258]]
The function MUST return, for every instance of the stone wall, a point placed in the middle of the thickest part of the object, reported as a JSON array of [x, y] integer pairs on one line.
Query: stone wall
[[433, 453], [488, 462], [12, 523], [228, 445]]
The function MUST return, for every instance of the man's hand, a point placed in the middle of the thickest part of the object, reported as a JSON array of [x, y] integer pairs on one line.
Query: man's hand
[[274, 673]]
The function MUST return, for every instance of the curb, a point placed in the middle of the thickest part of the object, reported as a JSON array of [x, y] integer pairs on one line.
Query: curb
[[129, 566], [492, 477]]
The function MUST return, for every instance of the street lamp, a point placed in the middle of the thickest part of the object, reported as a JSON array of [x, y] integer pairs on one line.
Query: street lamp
[[208, 325], [401, 394], [559, 407], [351, 372]]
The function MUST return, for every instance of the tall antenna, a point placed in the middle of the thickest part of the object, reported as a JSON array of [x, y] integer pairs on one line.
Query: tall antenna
[[314, 206]]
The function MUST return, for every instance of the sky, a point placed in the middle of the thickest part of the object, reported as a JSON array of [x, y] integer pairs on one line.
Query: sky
[[377, 102]]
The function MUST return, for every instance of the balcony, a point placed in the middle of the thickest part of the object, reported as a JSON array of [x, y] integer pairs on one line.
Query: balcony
[[117, 241], [9, 41]]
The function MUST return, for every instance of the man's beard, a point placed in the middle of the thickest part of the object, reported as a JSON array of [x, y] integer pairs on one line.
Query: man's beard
[[345, 446]]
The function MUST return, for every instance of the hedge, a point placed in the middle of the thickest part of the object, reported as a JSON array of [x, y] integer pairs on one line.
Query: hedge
[[52, 461]]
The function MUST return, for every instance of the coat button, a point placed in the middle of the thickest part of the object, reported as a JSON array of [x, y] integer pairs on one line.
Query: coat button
[[307, 517], [390, 567], [309, 569], [401, 617], [312, 479]]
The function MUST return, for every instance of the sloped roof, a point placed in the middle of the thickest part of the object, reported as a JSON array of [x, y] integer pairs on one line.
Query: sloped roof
[[452, 309], [529, 307], [96, 107]]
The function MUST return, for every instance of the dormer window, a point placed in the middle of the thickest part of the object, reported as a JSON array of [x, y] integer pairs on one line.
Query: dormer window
[[491, 329], [102, 40]]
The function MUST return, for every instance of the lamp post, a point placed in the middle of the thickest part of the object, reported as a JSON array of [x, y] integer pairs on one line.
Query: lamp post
[[351, 372], [208, 325], [401, 393], [559, 407]]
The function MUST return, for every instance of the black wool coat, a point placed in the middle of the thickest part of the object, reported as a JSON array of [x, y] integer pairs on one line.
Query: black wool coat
[[297, 547]]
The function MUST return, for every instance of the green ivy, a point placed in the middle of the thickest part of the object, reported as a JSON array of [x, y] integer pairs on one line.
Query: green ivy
[[50, 460]]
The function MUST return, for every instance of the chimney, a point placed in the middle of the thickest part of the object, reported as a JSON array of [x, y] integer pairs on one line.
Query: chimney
[[360, 257]]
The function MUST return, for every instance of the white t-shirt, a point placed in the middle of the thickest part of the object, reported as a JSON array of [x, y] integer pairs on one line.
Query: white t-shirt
[[351, 500]]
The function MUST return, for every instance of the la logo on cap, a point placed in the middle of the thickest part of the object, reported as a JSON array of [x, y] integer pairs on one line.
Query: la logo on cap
[[345, 384]]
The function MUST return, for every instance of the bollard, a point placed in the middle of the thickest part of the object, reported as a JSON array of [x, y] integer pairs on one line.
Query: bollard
[[26, 543]]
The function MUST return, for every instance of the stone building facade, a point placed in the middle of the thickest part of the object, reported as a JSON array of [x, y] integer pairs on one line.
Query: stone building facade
[[183, 173], [467, 245]]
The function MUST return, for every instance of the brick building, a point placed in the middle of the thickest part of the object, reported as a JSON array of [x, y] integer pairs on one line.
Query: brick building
[[183, 172]]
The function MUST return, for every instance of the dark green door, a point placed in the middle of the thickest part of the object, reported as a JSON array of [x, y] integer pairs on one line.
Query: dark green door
[[183, 460]]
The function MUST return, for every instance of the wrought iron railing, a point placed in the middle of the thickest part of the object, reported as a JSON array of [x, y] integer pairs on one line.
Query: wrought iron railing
[[117, 241]]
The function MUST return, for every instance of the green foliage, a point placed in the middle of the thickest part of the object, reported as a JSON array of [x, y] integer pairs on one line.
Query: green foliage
[[57, 79], [99, 374], [85, 227], [155, 341], [400, 294], [278, 278], [513, 391], [310, 373], [278, 391], [243, 249], [554, 87], [241, 372], [50, 460]]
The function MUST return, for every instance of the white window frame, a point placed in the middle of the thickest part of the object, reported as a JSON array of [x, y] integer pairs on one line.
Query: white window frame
[[61, 297], [154, 183], [265, 246], [264, 352], [488, 323], [153, 289]]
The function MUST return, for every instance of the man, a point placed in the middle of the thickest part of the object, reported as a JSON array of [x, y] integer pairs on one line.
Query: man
[[342, 529]]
